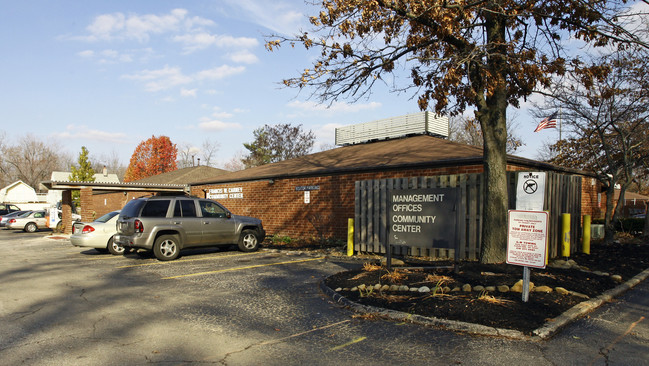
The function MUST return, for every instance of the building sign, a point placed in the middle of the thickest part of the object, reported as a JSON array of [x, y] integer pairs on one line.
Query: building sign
[[530, 191], [307, 196], [307, 188], [422, 217], [528, 238], [225, 193]]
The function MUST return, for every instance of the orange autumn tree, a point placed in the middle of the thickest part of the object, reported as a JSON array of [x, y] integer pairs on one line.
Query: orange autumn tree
[[154, 156]]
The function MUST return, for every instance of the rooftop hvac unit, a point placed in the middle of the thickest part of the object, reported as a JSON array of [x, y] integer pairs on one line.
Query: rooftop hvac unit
[[423, 123]]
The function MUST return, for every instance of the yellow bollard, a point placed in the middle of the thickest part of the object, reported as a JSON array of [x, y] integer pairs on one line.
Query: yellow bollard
[[585, 244], [350, 237], [565, 235]]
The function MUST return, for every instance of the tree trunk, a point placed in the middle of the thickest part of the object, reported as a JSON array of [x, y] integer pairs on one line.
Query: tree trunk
[[645, 229], [609, 227], [492, 114]]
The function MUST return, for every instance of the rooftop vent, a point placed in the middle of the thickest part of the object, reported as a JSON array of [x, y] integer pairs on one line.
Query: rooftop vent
[[422, 123]]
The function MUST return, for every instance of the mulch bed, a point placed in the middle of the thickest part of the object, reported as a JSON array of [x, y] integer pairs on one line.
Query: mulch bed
[[497, 309]]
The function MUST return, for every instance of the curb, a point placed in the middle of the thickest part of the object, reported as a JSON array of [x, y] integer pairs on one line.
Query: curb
[[544, 332]]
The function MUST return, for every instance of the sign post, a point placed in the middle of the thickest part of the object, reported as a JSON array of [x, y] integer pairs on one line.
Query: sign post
[[528, 227]]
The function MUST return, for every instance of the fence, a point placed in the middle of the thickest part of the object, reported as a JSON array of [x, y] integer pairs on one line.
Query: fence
[[563, 194]]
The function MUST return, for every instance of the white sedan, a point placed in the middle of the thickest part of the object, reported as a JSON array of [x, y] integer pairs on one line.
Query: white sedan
[[97, 234], [30, 221]]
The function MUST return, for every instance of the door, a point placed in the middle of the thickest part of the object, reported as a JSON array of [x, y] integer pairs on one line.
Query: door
[[185, 216], [218, 226]]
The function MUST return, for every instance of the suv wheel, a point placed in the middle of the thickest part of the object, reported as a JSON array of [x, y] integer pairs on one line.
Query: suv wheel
[[166, 247], [248, 241]]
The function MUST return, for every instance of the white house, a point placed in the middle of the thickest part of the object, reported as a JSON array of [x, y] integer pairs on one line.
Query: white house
[[24, 196]]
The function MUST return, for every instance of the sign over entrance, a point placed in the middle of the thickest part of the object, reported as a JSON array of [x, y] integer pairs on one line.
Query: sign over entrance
[[422, 217], [530, 191]]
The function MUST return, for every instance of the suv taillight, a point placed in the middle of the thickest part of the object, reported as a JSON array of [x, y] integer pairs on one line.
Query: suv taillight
[[138, 226]]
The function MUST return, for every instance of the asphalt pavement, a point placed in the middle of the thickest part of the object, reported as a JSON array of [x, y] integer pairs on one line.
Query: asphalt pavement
[[61, 305]]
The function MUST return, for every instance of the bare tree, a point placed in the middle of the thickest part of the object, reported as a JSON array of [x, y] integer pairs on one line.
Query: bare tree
[[608, 115], [32, 161], [236, 163], [186, 155], [208, 151], [467, 130], [112, 163], [189, 155]]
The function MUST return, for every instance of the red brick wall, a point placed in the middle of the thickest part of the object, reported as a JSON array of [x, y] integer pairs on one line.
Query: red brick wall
[[284, 212], [590, 205]]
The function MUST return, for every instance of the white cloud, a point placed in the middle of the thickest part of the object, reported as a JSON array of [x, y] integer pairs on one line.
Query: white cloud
[[198, 41], [188, 92], [84, 132], [118, 26], [86, 54], [169, 77], [161, 79], [219, 114], [216, 125], [243, 57], [219, 72], [336, 107]]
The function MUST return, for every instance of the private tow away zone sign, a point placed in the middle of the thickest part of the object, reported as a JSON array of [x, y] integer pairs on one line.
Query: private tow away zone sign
[[528, 238]]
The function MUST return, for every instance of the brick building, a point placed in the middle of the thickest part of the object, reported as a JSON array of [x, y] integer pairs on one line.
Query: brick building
[[313, 196]]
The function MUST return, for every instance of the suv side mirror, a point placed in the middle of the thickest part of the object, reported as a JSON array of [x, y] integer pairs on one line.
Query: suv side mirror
[[228, 215]]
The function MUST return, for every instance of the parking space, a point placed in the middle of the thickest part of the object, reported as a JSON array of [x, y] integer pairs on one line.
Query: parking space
[[193, 263], [74, 306]]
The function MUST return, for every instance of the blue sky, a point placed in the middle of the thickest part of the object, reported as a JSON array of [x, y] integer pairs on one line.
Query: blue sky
[[110, 74]]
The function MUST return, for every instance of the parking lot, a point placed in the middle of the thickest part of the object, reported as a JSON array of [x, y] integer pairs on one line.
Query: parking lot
[[67, 305]]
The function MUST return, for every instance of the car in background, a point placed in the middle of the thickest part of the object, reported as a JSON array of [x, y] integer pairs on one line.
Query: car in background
[[30, 221], [5, 218], [97, 234], [168, 224], [6, 208]]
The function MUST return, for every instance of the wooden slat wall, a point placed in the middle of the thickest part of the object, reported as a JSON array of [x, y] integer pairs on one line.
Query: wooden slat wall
[[563, 194]]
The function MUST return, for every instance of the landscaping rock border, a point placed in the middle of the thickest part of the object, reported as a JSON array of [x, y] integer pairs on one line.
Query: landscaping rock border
[[544, 332]]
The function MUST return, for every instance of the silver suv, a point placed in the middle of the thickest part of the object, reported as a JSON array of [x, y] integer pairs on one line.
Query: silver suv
[[167, 224]]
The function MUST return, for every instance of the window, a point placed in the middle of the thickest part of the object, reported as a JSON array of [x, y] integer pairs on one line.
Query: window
[[156, 208], [212, 209], [185, 208]]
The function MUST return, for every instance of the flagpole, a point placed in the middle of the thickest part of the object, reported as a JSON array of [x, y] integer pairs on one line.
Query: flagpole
[[560, 121]]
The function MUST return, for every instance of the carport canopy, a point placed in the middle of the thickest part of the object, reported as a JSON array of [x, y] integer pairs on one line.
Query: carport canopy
[[87, 189]]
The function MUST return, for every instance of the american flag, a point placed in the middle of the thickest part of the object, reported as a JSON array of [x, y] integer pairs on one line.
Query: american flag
[[548, 122]]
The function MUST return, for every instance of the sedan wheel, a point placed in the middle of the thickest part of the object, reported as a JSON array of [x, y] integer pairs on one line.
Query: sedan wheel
[[31, 227], [114, 248], [248, 241], [166, 247]]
